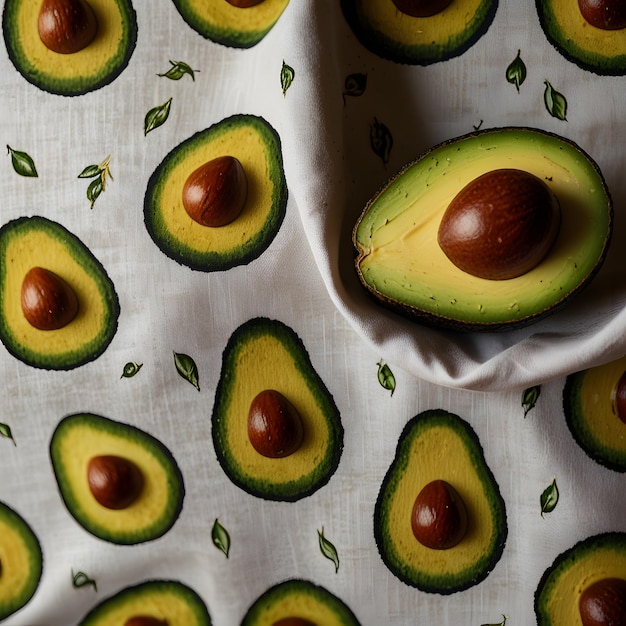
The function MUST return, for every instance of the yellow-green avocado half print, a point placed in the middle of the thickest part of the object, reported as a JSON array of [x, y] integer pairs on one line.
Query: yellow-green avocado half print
[[593, 49], [82, 436], [393, 35], [590, 560], [166, 601], [591, 416], [91, 68], [266, 354], [29, 242], [297, 598], [401, 265], [21, 562], [437, 445], [254, 142], [228, 25]]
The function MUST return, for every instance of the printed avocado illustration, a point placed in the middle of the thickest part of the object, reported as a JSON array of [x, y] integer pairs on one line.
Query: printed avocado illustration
[[120, 483], [71, 74], [21, 562], [597, 558], [440, 446], [406, 213], [231, 25], [302, 600], [266, 355], [257, 147], [394, 35], [597, 50], [594, 402], [165, 601], [36, 242]]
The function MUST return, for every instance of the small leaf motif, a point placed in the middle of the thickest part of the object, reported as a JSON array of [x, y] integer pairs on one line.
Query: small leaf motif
[[502, 623], [178, 70], [529, 398], [22, 163], [186, 368], [100, 173], [516, 71], [157, 116], [549, 498], [385, 377], [328, 549], [220, 537], [5, 431], [555, 102], [381, 140], [354, 85], [80, 579], [287, 74], [130, 369]]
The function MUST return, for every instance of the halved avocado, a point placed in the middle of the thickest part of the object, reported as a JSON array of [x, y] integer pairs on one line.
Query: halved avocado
[[594, 49], [21, 562], [169, 601], [590, 560], [265, 354], [95, 66], [437, 445], [38, 242], [82, 436], [257, 146], [398, 37], [302, 599], [229, 25], [590, 413], [399, 260]]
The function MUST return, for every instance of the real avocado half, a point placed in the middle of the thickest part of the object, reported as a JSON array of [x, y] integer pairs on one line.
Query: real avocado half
[[401, 264], [393, 35], [590, 413], [230, 25], [257, 146], [74, 74], [170, 601], [82, 436], [21, 562], [296, 598], [29, 242], [437, 445], [594, 49], [266, 354], [590, 560]]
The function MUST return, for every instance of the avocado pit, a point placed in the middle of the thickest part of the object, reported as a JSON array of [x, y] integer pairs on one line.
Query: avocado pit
[[604, 14], [115, 482], [500, 225], [66, 26], [293, 621], [244, 4], [421, 8], [618, 398], [603, 603]]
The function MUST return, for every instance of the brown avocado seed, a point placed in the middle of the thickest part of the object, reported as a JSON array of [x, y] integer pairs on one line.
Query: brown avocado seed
[[439, 516], [293, 621], [144, 620], [500, 225], [618, 398], [66, 26], [421, 8], [604, 14], [274, 425], [603, 603], [48, 301], [215, 193], [115, 482], [244, 4]]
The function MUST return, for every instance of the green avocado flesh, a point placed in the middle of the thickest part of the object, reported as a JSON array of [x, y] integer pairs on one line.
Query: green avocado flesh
[[299, 599], [590, 560], [436, 445], [396, 36], [82, 436], [38, 242], [256, 145], [401, 265], [229, 25], [21, 562], [594, 49], [265, 354], [74, 74], [591, 416], [169, 601]]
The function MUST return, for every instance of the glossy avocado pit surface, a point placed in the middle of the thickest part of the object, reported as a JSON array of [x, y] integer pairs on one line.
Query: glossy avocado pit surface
[[400, 263]]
